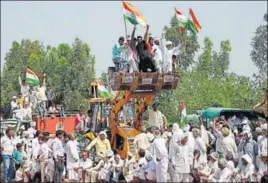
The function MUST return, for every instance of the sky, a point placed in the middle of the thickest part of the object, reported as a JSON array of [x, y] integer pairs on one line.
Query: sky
[[100, 24]]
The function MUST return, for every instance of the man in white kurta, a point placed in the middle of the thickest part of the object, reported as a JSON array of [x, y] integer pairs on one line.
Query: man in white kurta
[[141, 141], [72, 157], [222, 174], [161, 155], [83, 164], [244, 171], [43, 156], [128, 169], [181, 160], [155, 117], [167, 52], [199, 144]]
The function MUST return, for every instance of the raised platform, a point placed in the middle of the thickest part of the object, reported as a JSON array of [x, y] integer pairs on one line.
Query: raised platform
[[143, 81]]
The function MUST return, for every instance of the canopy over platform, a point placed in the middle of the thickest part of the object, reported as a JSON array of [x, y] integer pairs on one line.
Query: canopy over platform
[[143, 82]]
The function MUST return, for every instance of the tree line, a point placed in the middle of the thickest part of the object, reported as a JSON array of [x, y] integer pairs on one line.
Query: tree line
[[204, 82]]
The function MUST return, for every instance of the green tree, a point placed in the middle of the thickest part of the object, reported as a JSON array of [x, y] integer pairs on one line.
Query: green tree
[[23, 54], [70, 69], [259, 50], [174, 34]]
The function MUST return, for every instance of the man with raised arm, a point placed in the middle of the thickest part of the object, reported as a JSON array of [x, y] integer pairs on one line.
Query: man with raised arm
[[167, 53], [144, 51], [24, 89]]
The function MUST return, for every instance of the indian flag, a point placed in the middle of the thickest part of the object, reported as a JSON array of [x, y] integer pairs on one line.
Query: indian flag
[[183, 21], [183, 114], [31, 77], [133, 15], [103, 92], [195, 21]]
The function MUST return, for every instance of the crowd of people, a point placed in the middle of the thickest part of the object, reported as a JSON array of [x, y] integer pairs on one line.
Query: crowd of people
[[33, 99], [146, 54], [194, 153]]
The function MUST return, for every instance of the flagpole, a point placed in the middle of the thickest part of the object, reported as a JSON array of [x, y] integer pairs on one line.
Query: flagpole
[[125, 26]]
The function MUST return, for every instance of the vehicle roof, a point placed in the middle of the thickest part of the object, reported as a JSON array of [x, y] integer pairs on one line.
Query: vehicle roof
[[213, 112]]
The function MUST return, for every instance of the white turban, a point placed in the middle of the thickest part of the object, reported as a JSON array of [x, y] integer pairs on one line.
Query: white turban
[[25, 133], [103, 133], [109, 153], [246, 128], [150, 136], [264, 127], [186, 128], [168, 43]]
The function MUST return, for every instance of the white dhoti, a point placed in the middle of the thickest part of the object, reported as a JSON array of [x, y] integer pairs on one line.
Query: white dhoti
[[151, 175], [104, 175], [72, 175], [182, 177], [161, 170], [50, 168], [133, 66], [91, 176]]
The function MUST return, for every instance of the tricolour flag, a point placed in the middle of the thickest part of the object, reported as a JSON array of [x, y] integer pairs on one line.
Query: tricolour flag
[[31, 77], [195, 21], [132, 14], [183, 114], [103, 92], [183, 21]]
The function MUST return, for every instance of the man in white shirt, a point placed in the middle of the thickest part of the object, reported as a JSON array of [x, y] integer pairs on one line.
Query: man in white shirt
[[161, 155], [14, 103], [223, 173], [43, 156], [26, 112], [72, 157], [156, 51], [83, 164], [155, 117], [24, 89], [167, 52], [141, 141], [7, 150], [58, 154], [32, 130], [262, 143]]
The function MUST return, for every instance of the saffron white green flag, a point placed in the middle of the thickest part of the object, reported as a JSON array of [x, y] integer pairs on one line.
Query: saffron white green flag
[[31, 77], [183, 114], [183, 21], [132, 14], [103, 92]]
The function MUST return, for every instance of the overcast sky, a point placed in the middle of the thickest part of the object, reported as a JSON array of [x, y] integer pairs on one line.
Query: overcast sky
[[100, 24]]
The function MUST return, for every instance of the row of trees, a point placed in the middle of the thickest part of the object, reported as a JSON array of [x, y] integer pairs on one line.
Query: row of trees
[[204, 82], [69, 70]]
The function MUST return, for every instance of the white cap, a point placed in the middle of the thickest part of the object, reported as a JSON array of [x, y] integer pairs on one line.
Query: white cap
[[264, 126], [156, 39], [109, 153], [33, 124], [168, 43], [22, 127], [14, 97], [150, 136]]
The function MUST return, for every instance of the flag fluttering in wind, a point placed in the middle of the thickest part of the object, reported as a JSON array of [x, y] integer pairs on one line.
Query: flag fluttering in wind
[[103, 92], [195, 21], [183, 21], [183, 114], [31, 77], [133, 15]]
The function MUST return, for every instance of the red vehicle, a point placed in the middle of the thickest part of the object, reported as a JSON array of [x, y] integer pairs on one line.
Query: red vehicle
[[54, 122]]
